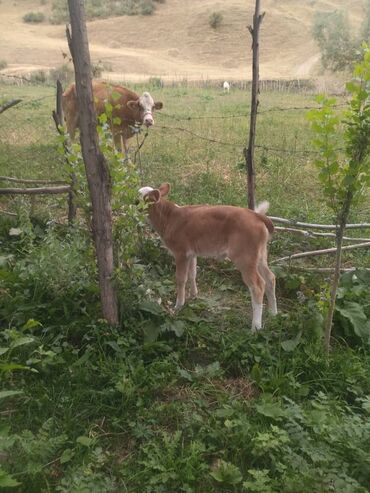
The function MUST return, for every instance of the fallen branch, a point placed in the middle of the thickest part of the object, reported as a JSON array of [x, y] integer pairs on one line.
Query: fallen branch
[[34, 191], [330, 269], [7, 213], [320, 252], [24, 180], [316, 226], [311, 234], [9, 104]]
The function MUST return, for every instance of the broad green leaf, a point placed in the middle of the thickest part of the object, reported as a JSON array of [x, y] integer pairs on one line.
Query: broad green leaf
[[22, 341], [67, 455], [354, 312], [31, 324], [85, 441], [3, 350], [151, 307], [14, 366], [227, 473], [270, 409], [6, 480], [291, 344]]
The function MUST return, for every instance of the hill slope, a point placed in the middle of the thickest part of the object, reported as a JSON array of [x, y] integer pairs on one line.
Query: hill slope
[[177, 40]]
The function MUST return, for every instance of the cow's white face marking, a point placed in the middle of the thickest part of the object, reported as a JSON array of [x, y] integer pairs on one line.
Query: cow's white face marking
[[143, 191], [146, 105]]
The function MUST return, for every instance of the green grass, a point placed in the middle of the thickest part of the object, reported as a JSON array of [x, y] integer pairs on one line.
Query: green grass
[[192, 403]]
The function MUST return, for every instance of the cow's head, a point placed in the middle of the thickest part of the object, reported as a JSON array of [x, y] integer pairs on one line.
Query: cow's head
[[143, 109]]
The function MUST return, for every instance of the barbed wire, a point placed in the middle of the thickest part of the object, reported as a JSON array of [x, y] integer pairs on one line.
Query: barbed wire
[[242, 145], [244, 115], [202, 137]]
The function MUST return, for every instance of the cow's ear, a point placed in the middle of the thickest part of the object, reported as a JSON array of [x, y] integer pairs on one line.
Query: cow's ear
[[153, 196], [133, 105], [164, 189], [158, 105]]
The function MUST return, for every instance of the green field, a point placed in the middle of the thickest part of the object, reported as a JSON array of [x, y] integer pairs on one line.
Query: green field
[[186, 403]]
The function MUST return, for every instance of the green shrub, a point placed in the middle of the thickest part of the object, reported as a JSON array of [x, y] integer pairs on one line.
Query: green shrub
[[3, 64], [34, 17], [215, 19], [147, 7], [156, 82], [39, 76], [64, 73]]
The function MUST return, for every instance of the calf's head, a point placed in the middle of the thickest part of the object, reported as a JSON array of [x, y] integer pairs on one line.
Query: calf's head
[[143, 108], [153, 195]]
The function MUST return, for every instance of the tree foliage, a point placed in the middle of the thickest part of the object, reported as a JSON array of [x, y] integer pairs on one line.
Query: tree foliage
[[344, 173], [336, 39]]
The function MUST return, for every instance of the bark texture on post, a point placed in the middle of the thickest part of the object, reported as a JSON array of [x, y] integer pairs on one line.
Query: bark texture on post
[[249, 151], [97, 172]]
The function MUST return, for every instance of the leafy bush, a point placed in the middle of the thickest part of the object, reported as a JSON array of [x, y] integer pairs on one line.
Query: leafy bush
[[64, 73], [147, 7], [34, 17], [102, 9], [156, 82], [3, 64], [215, 19], [337, 43], [352, 319], [56, 274], [39, 76]]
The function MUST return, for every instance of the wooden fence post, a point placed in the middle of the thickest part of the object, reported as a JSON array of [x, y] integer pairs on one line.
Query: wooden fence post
[[249, 151], [58, 119], [96, 167]]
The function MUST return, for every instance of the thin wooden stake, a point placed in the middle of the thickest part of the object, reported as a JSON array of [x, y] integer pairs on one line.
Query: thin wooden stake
[[249, 151]]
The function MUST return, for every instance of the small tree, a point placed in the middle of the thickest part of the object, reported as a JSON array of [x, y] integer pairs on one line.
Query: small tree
[[344, 178], [337, 41], [215, 19], [332, 33]]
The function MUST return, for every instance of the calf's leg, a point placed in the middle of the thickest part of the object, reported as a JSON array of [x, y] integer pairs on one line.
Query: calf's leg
[[182, 268], [192, 275], [256, 285], [269, 279]]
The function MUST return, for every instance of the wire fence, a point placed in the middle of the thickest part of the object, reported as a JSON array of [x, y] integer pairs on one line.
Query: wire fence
[[29, 141]]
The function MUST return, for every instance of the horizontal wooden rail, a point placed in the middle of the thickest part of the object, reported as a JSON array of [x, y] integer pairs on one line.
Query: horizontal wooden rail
[[313, 234], [316, 226], [320, 252], [35, 191], [25, 180]]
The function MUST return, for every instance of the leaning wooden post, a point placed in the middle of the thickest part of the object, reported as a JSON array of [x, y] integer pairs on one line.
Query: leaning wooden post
[[58, 119], [249, 151], [96, 167]]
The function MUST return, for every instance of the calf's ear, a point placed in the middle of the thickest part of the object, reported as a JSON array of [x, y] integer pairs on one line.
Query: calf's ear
[[153, 196], [158, 105], [164, 189], [133, 105]]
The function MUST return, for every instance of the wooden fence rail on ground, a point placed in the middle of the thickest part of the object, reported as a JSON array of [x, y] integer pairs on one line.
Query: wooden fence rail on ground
[[26, 180], [35, 191]]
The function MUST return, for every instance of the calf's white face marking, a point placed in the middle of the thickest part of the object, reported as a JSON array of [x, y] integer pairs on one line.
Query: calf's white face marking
[[144, 191]]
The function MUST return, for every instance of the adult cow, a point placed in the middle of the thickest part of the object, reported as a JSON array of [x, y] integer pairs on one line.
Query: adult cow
[[128, 109]]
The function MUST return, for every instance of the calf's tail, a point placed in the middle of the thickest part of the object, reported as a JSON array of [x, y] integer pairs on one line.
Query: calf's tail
[[261, 210]]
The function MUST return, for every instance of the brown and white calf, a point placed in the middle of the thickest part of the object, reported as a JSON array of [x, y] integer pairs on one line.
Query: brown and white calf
[[215, 231], [128, 109]]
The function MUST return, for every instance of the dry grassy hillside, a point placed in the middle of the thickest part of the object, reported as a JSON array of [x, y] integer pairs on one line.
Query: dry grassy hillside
[[177, 40]]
